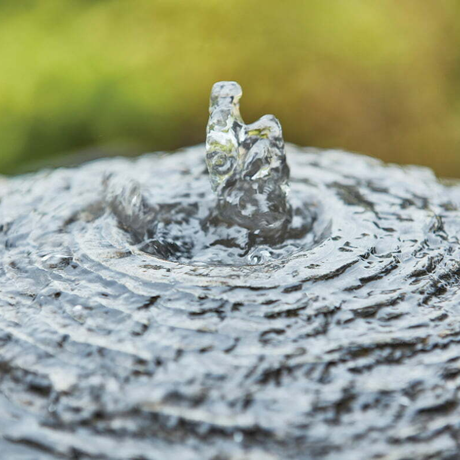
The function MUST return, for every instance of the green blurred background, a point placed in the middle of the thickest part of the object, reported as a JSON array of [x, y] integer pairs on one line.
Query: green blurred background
[[79, 79]]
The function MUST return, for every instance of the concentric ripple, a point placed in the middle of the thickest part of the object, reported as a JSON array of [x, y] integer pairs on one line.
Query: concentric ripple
[[342, 342]]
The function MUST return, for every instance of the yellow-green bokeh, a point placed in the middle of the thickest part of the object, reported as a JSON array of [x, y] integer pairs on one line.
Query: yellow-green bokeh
[[381, 78]]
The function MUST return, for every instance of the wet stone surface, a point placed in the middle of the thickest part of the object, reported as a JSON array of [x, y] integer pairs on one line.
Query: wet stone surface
[[134, 326]]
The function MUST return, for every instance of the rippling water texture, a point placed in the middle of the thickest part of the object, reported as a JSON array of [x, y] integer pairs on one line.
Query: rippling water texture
[[133, 327]]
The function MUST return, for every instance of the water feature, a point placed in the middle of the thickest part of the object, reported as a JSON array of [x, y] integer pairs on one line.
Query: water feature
[[249, 220], [187, 306]]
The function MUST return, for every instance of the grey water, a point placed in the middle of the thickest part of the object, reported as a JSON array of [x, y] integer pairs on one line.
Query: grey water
[[208, 305]]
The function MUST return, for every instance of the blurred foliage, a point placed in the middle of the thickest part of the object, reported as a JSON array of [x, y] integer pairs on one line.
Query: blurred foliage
[[381, 78]]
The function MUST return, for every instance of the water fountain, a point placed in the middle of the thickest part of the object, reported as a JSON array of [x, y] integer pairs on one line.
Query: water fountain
[[206, 305]]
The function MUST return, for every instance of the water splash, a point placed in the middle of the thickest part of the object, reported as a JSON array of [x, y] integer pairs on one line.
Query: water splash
[[251, 221], [247, 165]]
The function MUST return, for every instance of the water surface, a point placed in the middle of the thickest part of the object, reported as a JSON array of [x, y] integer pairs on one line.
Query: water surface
[[132, 325]]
